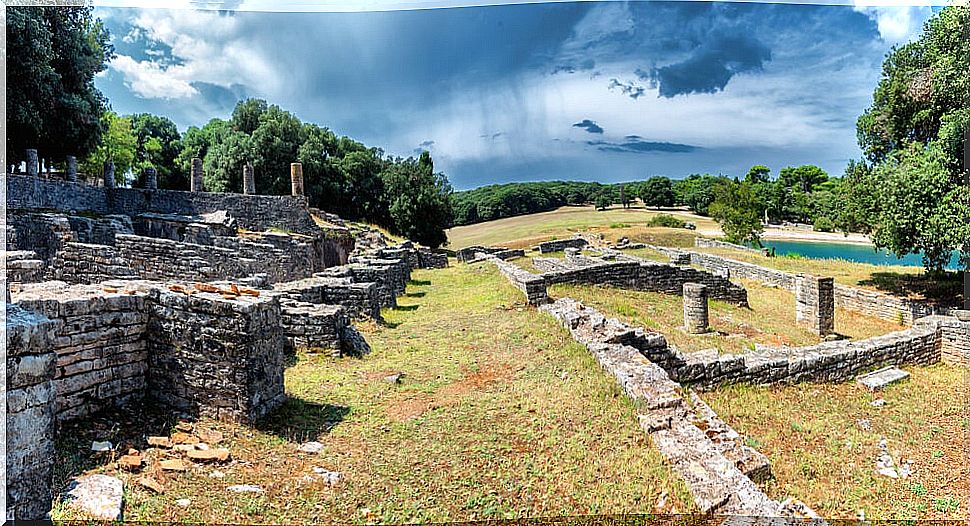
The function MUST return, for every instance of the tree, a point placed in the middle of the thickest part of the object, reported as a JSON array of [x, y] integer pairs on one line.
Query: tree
[[912, 195], [802, 179], [196, 143], [657, 192], [52, 104], [697, 192], [246, 114], [623, 198], [758, 173], [275, 143], [159, 144], [224, 162], [603, 201], [737, 208], [118, 145], [420, 200]]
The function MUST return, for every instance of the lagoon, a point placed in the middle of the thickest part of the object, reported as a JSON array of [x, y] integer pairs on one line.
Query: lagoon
[[856, 252]]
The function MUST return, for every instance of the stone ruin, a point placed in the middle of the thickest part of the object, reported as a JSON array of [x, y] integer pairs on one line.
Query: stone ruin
[[190, 299]]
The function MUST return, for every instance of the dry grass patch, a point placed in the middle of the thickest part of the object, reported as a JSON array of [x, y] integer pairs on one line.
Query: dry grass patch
[[500, 414], [821, 453], [528, 230], [770, 320]]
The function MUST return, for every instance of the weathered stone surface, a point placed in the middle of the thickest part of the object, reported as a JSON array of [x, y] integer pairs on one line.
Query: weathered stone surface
[[558, 245], [98, 496], [534, 286], [29, 413], [880, 378], [695, 308], [815, 303]]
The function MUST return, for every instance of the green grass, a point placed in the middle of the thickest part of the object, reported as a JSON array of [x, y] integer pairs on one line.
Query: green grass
[[768, 321], [527, 230], [820, 455], [501, 414]]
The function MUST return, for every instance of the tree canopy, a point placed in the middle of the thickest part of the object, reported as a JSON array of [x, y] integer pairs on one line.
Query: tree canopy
[[53, 54], [910, 191]]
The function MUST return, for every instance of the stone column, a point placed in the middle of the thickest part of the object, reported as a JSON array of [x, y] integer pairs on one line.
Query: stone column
[[151, 179], [195, 178], [33, 163], [249, 180], [296, 178], [109, 174], [72, 168], [696, 319], [815, 303]]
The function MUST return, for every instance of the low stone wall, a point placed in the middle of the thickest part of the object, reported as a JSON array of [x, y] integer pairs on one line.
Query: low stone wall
[[718, 474], [100, 344], [704, 242], [428, 258], [319, 326], [234, 372], [558, 245], [867, 302], [86, 263], [471, 254], [23, 266], [42, 233], [532, 285], [254, 212], [630, 272], [30, 411], [359, 299], [955, 341]]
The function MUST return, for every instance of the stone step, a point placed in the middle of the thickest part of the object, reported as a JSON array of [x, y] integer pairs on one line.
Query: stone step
[[880, 378]]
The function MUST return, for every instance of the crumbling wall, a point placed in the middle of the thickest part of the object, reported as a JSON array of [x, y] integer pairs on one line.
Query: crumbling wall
[[954, 341], [23, 266], [217, 357], [87, 263], [29, 413], [360, 299], [558, 245], [532, 285], [253, 212], [100, 345]]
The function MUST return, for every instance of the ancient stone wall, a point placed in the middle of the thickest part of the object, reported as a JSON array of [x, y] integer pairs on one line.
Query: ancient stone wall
[[23, 266], [532, 285], [99, 231], [216, 357], [558, 245], [955, 341], [359, 299], [254, 212], [100, 345], [703, 242], [41, 233], [86, 263], [695, 308], [29, 413], [469, 254], [863, 301]]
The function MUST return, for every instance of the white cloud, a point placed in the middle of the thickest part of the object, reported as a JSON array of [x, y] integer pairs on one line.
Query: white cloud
[[204, 47], [897, 24], [150, 80]]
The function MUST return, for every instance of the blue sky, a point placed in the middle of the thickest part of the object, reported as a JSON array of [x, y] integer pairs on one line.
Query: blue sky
[[604, 91]]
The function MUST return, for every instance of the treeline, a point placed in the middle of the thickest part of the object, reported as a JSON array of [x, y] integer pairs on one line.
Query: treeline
[[53, 107], [491, 202]]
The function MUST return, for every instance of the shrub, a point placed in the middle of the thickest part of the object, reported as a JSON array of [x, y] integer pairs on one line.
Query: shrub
[[667, 220], [823, 224]]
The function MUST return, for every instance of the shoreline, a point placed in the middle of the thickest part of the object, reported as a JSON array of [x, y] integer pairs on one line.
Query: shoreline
[[773, 234]]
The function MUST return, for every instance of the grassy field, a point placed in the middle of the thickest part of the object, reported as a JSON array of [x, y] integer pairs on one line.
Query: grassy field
[[897, 279], [500, 414], [820, 453], [527, 230], [768, 321]]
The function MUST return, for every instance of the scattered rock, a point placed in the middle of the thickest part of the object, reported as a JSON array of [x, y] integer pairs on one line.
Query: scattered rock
[[183, 502], [99, 496], [210, 436], [184, 425], [564, 375], [173, 464], [394, 378], [220, 455], [184, 438], [151, 484], [864, 424], [879, 402], [101, 446], [332, 477], [216, 474], [245, 488], [792, 507], [130, 462], [184, 448], [310, 447], [880, 378], [160, 442]]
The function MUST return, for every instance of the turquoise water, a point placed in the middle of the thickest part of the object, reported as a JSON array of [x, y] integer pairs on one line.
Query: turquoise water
[[851, 252]]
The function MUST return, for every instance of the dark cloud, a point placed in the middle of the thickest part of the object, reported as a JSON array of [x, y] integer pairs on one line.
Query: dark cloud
[[589, 126], [425, 146], [492, 136], [710, 66], [634, 144], [631, 89], [585, 65]]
